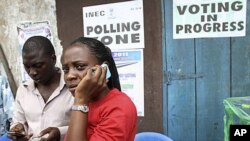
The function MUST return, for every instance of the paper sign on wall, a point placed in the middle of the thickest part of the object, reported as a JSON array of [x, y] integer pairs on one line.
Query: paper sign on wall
[[209, 18], [120, 27]]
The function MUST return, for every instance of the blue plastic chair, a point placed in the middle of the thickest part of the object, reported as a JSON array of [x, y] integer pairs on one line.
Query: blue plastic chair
[[151, 136], [5, 138]]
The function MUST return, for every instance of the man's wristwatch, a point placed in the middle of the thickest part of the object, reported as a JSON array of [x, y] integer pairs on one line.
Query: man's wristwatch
[[82, 108]]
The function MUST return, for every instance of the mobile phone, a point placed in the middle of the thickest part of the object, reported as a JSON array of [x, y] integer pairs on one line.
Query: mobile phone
[[17, 134], [108, 74]]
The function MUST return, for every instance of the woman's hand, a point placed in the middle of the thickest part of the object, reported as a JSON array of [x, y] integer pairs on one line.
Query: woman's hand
[[92, 85]]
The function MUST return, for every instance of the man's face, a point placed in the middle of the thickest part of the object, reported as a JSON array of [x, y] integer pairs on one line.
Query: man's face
[[38, 65]]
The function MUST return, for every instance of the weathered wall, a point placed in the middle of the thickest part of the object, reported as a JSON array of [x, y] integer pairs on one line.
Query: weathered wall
[[16, 11]]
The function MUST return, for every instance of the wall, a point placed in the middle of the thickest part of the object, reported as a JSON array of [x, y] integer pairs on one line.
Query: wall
[[16, 11]]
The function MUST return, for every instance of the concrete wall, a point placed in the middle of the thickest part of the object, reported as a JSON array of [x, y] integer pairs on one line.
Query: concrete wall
[[16, 11]]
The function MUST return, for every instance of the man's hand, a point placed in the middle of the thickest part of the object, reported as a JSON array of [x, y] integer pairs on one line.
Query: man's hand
[[53, 134], [18, 128]]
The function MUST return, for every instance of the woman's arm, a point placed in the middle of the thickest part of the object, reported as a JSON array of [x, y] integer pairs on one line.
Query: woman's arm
[[91, 86], [77, 130]]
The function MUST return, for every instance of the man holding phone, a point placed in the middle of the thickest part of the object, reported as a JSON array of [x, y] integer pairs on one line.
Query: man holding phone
[[42, 104]]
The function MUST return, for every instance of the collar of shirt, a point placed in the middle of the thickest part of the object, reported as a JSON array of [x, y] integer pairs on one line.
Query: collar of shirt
[[31, 86]]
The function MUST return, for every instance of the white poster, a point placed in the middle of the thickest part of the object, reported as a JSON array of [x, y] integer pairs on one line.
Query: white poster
[[120, 27], [27, 29], [129, 64], [117, 25], [209, 18]]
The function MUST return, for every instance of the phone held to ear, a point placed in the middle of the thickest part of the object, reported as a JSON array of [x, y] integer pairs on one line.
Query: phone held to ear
[[108, 74], [17, 134]]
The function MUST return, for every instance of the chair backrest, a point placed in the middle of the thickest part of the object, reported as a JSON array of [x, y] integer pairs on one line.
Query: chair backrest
[[151, 136]]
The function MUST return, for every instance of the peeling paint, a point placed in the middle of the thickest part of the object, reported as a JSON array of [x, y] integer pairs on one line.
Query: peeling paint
[[17, 11]]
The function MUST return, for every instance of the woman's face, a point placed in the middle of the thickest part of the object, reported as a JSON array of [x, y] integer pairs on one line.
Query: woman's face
[[76, 60]]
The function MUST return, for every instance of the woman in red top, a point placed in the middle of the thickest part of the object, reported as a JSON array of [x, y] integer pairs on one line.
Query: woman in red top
[[101, 112]]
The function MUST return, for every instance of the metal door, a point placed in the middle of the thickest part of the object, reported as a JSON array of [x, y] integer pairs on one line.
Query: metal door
[[198, 75]]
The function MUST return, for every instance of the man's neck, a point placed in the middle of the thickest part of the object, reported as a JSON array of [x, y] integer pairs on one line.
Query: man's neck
[[47, 89]]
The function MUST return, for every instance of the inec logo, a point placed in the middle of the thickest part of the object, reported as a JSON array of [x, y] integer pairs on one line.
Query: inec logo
[[95, 14]]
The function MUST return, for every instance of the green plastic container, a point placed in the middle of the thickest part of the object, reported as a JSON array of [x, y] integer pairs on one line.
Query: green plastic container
[[237, 112]]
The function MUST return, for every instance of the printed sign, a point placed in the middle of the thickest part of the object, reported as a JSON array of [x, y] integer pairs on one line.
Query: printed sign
[[129, 64], [26, 30], [120, 27], [117, 25], [209, 18]]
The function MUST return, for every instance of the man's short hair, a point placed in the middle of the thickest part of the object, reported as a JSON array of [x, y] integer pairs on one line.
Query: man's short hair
[[39, 43]]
